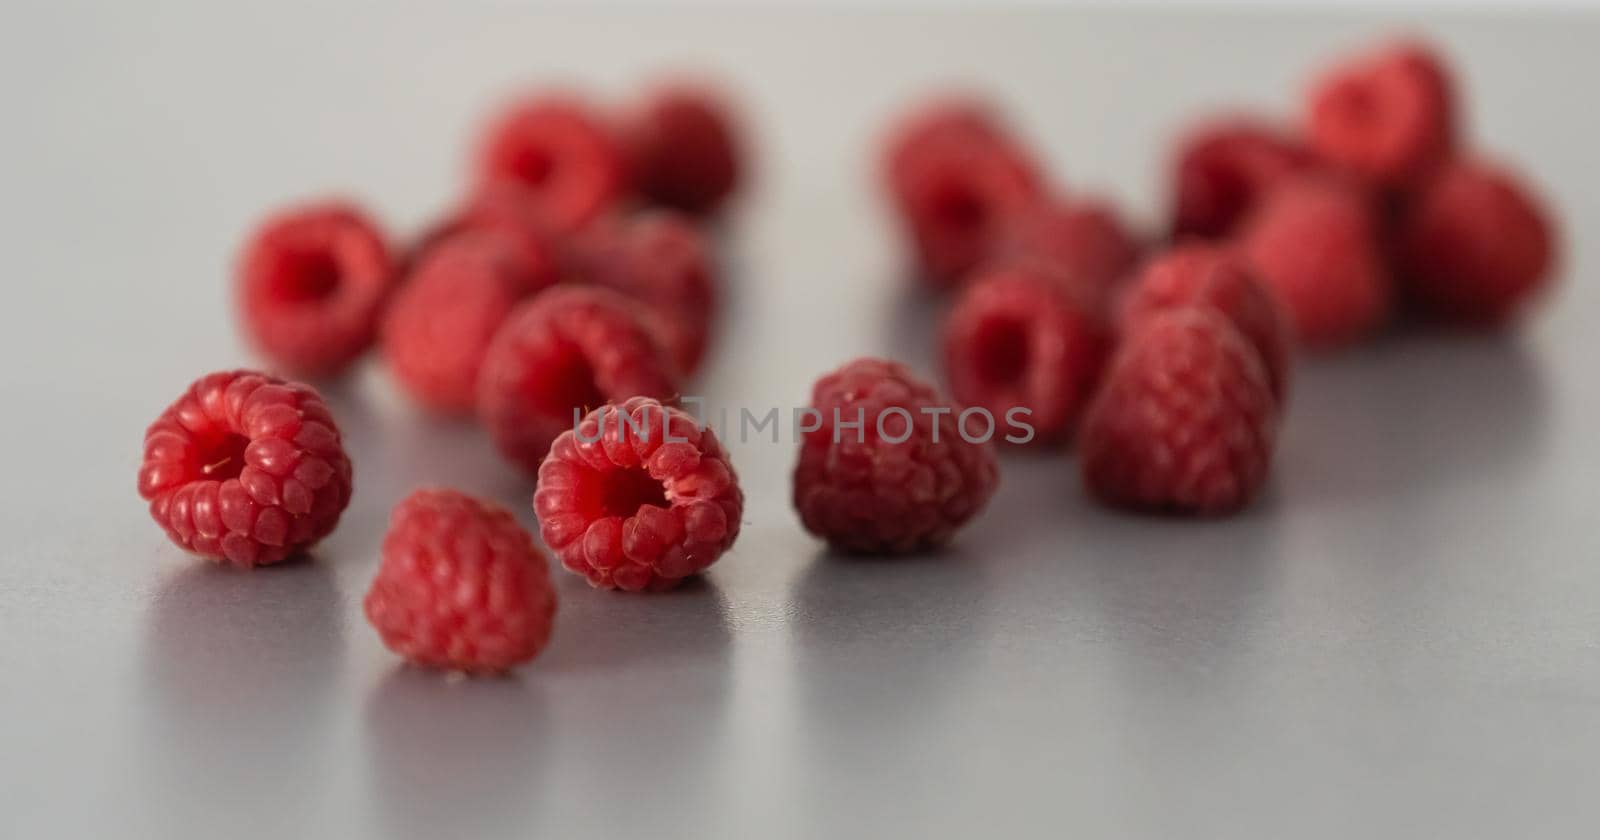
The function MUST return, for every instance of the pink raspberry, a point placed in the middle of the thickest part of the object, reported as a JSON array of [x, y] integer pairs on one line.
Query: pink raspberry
[[638, 497], [1185, 421], [683, 148], [565, 159], [1476, 245], [439, 326], [1213, 277], [311, 285], [1016, 338], [1388, 116], [907, 486], [461, 586], [245, 469], [1082, 242], [1222, 170], [566, 350]]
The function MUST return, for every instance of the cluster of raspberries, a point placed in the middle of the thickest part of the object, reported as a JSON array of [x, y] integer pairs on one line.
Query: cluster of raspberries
[[1167, 359]]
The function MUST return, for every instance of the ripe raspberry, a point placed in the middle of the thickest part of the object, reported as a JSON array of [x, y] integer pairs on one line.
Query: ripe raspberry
[[245, 468], [1016, 338], [1476, 245], [1387, 116], [1224, 168], [1185, 421], [1212, 277], [958, 119], [1083, 242], [864, 492], [1314, 242], [310, 287], [683, 149], [439, 326], [566, 160], [639, 497], [461, 586], [565, 349], [661, 260]]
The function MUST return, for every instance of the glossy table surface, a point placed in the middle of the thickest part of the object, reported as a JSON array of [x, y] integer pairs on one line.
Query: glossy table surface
[[1401, 639]]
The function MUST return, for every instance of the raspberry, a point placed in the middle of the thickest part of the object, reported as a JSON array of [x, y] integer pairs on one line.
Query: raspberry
[[564, 350], [865, 492], [1016, 338], [440, 323], [1475, 245], [311, 285], [461, 586], [683, 149], [1314, 243], [1083, 242], [1222, 170], [661, 260], [566, 160], [638, 497], [962, 118], [1185, 420], [1212, 277], [1388, 116], [245, 469]]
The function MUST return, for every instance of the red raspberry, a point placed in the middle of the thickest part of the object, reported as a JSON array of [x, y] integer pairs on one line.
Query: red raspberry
[[566, 160], [461, 586], [566, 349], [1016, 338], [1476, 245], [957, 119], [245, 468], [1314, 242], [864, 492], [659, 259], [1185, 421], [1224, 168], [1083, 242], [439, 326], [638, 497], [683, 148], [1387, 116], [311, 285], [1212, 277]]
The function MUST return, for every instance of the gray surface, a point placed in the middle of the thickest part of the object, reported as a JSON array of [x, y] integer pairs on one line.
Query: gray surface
[[1400, 640]]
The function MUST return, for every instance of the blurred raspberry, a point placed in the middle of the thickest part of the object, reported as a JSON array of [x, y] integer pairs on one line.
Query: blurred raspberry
[[311, 285], [1082, 242], [638, 497], [1185, 421], [1388, 116], [245, 469], [1223, 168], [957, 119], [461, 586], [683, 150], [564, 158]]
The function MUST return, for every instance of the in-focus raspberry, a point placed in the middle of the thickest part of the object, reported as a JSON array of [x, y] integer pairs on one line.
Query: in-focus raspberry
[[439, 325], [565, 159], [1222, 170], [1315, 243], [684, 151], [567, 349], [906, 487], [638, 497], [1476, 245], [461, 586], [1213, 277], [1387, 116], [245, 469], [1016, 338], [1185, 421], [311, 285], [1083, 242]]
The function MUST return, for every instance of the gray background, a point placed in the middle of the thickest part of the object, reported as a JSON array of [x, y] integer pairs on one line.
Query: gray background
[[1400, 639]]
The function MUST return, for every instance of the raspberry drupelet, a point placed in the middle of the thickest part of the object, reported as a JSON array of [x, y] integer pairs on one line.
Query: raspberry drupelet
[[565, 159], [310, 287], [461, 586], [1016, 338], [1198, 274], [1223, 168], [245, 469], [1388, 116], [638, 497], [1083, 242], [1184, 422], [906, 489], [440, 323], [567, 349], [683, 149]]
